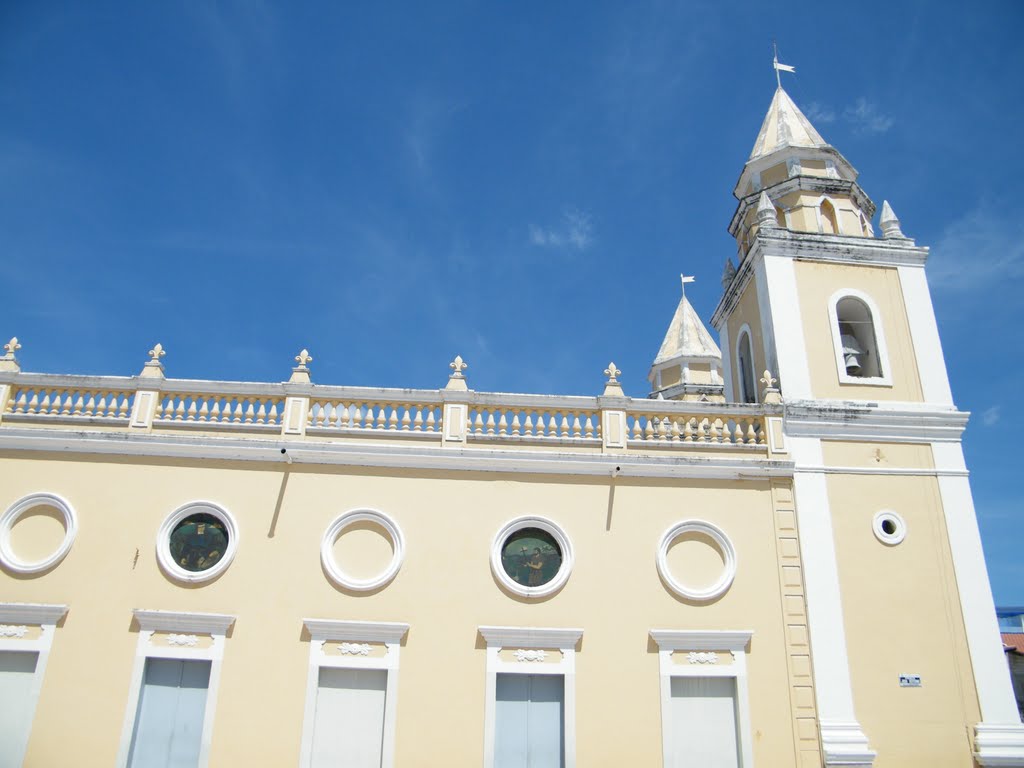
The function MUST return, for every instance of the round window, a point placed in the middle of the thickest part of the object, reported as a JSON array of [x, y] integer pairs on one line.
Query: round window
[[197, 542], [531, 557], [889, 527]]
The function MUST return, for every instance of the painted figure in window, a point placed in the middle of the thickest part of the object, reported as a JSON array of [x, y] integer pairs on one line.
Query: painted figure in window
[[198, 542], [531, 557]]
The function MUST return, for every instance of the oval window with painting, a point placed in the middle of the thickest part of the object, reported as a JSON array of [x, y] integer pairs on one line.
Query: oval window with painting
[[198, 542], [531, 557]]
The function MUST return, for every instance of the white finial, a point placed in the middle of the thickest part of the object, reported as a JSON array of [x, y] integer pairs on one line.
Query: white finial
[[612, 372], [304, 358], [767, 379], [153, 367], [456, 380], [890, 224], [771, 394], [765, 216], [9, 362], [779, 67], [300, 373], [728, 273], [11, 346], [612, 387]]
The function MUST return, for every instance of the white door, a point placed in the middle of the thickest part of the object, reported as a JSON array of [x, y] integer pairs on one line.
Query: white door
[[348, 731], [703, 723], [17, 673], [529, 728], [169, 720]]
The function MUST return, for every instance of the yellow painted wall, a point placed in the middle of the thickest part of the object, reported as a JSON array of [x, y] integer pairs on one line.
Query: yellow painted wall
[[902, 615], [746, 311], [444, 591], [816, 283]]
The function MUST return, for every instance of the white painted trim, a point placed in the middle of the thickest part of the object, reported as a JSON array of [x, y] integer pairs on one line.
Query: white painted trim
[[323, 631], [46, 618], [671, 640], [794, 374], [531, 638], [881, 350], [214, 624], [163, 538], [725, 547], [334, 531], [738, 394], [683, 460], [764, 308], [880, 422], [900, 525], [548, 526], [843, 740], [999, 737], [10, 559], [727, 377], [924, 333]]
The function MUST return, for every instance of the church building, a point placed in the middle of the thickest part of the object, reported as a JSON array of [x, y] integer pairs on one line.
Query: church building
[[772, 560]]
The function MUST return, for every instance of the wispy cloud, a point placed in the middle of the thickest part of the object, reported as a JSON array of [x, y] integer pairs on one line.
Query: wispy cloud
[[866, 118], [990, 416], [978, 250], [819, 113], [574, 232]]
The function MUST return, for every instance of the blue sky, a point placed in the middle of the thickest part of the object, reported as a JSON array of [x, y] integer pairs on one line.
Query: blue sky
[[391, 184]]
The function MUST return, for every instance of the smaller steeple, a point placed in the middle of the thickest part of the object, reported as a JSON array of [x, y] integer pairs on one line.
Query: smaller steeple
[[890, 224], [689, 363]]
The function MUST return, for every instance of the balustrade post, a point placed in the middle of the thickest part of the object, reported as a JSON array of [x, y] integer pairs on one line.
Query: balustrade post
[[144, 405], [614, 430], [455, 415], [296, 407], [8, 364]]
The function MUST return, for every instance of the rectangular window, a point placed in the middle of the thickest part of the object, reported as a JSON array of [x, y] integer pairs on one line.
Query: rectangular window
[[703, 722], [529, 729], [348, 725], [168, 729], [17, 677]]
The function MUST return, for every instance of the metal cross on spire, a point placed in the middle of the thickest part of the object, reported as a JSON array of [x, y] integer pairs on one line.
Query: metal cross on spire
[[779, 67]]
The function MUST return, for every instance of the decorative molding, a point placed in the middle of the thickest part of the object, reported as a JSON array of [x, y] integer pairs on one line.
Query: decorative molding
[[13, 630], [190, 641], [10, 559], [163, 538], [174, 621], [525, 655], [33, 614], [999, 745], [702, 657], [531, 637], [873, 422], [323, 630], [549, 527], [355, 649], [725, 547], [735, 641], [337, 574]]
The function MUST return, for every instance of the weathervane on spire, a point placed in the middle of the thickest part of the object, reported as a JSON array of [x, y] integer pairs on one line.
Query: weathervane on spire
[[682, 326], [686, 279], [779, 67]]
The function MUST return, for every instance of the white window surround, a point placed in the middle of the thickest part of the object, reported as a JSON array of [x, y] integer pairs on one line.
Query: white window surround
[[15, 618], [738, 378], [9, 557], [671, 640], [322, 631], [897, 523], [725, 547], [549, 527], [163, 550], [835, 210], [334, 531], [531, 639], [214, 624], [885, 380]]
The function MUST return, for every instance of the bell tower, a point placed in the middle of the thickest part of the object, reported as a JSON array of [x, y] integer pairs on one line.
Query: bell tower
[[889, 538]]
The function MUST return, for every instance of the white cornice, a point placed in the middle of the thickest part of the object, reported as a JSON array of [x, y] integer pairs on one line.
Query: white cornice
[[676, 461], [174, 621], [31, 613], [531, 637], [885, 422], [373, 631], [701, 640]]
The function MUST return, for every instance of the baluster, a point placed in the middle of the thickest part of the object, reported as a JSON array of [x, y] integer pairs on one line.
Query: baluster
[[529, 429], [250, 413], [382, 418], [179, 407], [478, 424], [393, 418], [21, 404], [503, 425], [662, 428], [67, 405], [563, 429], [33, 404], [638, 433], [761, 436], [517, 427], [190, 414], [737, 433], [589, 427], [674, 430], [406, 419], [215, 409], [702, 434], [89, 409], [751, 435], [44, 404], [204, 409], [490, 422], [577, 427], [713, 432], [431, 421], [261, 413], [236, 411], [417, 423]]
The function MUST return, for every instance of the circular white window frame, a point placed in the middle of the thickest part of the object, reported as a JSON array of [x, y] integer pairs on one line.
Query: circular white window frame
[[334, 531], [163, 541], [725, 547], [9, 558], [890, 539], [552, 529]]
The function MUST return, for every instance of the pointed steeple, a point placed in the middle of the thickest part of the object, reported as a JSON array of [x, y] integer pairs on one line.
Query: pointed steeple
[[785, 126], [689, 362]]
